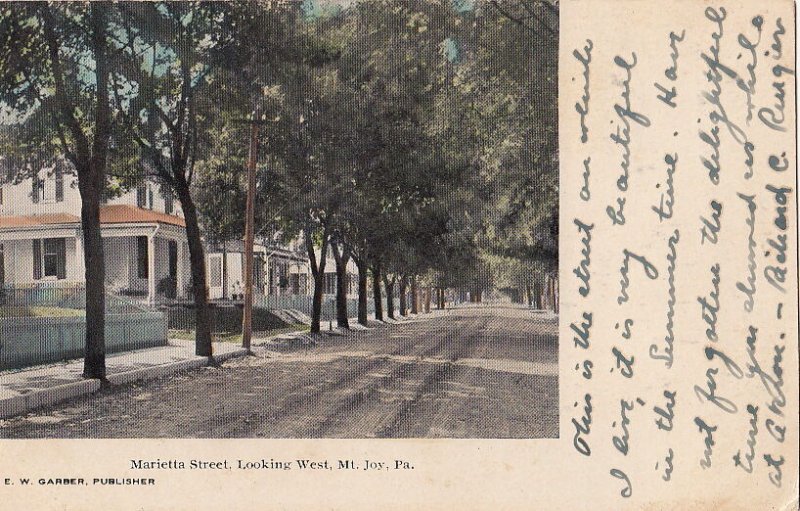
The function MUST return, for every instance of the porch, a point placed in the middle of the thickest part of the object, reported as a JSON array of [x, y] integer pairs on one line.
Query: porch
[[144, 262], [148, 266]]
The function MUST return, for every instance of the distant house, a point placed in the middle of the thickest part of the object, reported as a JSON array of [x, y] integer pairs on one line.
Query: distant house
[[279, 270], [41, 242], [225, 264]]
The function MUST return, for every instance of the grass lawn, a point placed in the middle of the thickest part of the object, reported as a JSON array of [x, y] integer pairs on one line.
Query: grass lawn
[[236, 337], [40, 312]]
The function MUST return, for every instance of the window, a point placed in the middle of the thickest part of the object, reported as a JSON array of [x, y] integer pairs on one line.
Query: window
[[150, 198], [173, 258], [258, 272], [215, 271], [59, 182], [37, 189], [2, 268], [1, 195], [168, 203], [142, 257], [54, 257], [141, 196], [329, 287], [50, 258], [271, 278]]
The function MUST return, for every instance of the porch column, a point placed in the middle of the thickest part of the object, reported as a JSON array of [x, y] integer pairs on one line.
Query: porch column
[[180, 288], [151, 269], [80, 266]]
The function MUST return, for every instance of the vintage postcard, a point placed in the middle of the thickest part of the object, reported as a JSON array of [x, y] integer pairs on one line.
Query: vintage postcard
[[398, 254]]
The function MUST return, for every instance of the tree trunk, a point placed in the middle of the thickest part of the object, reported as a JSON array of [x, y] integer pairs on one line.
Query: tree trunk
[[414, 296], [428, 299], [555, 295], [91, 183], [197, 259], [316, 304], [376, 291], [224, 270], [389, 285], [362, 291], [403, 291], [318, 272], [341, 259], [94, 364]]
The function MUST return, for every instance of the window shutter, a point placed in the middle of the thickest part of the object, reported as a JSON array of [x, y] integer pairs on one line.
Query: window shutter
[[61, 265], [143, 262], [59, 184], [37, 259], [2, 268], [35, 190], [168, 206]]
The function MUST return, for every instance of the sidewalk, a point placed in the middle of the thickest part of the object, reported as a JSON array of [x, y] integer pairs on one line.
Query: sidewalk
[[27, 389]]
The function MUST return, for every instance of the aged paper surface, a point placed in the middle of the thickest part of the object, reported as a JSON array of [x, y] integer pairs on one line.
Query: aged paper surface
[[678, 253], [678, 354]]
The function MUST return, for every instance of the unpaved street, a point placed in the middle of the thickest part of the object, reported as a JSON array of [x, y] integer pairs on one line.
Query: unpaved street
[[471, 372]]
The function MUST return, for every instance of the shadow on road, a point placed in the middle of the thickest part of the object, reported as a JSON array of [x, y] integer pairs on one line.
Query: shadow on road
[[488, 371]]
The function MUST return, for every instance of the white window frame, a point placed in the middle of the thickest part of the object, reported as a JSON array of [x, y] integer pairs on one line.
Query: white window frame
[[45, 254]]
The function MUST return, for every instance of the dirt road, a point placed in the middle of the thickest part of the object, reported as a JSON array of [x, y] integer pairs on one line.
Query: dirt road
[[472, 372]]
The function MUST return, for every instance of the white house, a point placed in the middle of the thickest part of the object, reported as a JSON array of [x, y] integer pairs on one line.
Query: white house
[[143, 232], [279, 270], [225, 264]]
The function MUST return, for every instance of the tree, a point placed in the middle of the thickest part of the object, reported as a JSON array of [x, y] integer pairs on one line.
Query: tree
[[504, 102], [197, 68], [44, 79], [341, 256], [304, 175], [171, 50], [218, 190], [391, 66]]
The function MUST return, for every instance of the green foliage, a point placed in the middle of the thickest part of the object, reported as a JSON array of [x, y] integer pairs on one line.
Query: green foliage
[[421, 134]]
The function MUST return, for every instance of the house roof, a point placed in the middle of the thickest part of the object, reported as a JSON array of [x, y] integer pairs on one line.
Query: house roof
[[124, 214], [112, 214], [33, 221]]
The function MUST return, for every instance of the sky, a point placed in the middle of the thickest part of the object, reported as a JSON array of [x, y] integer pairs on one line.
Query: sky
[[321, 7]]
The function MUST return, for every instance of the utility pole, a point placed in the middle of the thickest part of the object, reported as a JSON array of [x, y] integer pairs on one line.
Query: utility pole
[[249, 234]]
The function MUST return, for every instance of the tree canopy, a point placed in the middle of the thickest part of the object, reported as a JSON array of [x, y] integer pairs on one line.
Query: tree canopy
[[417, 137]]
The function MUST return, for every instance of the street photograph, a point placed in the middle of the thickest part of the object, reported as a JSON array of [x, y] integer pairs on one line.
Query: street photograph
[[279, 219]]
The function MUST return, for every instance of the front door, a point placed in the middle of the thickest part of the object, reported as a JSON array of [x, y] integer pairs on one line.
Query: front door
[[173, 259]]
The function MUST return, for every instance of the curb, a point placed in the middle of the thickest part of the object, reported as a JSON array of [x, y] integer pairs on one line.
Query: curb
[[222, 357], [18, 405]]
